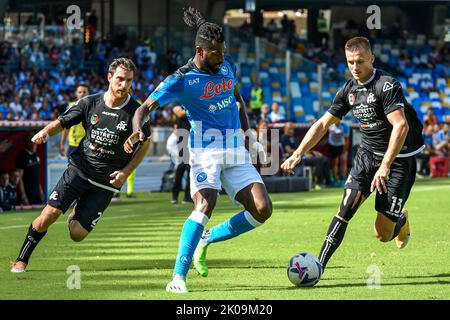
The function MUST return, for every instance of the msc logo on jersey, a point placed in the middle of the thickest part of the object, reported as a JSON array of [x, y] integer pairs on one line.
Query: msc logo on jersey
[[351, 99], [371, 98], [122, 126], [94, 119], [202, 177]]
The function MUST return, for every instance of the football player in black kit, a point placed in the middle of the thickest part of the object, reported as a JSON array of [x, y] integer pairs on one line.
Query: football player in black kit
[[98, 167], [390, 139]]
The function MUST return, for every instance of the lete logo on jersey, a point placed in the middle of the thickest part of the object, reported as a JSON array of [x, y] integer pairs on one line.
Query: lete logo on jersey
[[211, 88]]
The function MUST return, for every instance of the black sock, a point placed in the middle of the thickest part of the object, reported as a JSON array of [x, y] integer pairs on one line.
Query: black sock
[[400, 223], [334, 237], [31, 240]]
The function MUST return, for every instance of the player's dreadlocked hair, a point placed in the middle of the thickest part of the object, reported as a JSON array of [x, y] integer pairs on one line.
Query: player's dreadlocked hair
[[206, 31]]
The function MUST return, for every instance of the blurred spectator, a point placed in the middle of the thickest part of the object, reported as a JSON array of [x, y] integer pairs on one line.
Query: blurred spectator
[[36, 55], [427, 85], [430, 118], [264, 114], [92, 23], [76, 53], [16, 181], [289, 142], [29, 166], [276, 116], [321, 165], [145, 57], [339, 142], [16, 108], [322, 29], [424, 164], [272, 29], [173, 60], [7, 193], [256, 98], [181, 130], [440, 140], [76, 132]]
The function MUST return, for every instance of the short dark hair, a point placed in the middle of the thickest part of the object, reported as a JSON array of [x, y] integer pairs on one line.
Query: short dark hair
[[82, 85], [207, 32], [356, 43], [125, 63]]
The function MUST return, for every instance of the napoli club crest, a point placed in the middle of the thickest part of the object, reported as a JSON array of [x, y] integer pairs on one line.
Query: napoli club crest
[[224, 70], [202, 177], [351, 99]]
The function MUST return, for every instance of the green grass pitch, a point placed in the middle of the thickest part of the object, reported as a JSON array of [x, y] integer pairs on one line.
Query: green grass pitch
[[130, 254]]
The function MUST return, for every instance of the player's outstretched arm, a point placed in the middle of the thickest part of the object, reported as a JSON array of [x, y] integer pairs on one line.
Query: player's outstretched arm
[[140, 117], [51, 129], [312, 137], [118, 177]]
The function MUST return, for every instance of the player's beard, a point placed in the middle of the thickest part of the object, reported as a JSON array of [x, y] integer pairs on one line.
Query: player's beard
[[213, 68], [120, 94]]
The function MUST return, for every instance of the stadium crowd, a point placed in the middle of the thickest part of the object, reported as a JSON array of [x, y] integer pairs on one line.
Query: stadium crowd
[[39, 79]]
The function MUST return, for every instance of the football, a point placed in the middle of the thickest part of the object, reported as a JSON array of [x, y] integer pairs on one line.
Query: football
[[304, 270]]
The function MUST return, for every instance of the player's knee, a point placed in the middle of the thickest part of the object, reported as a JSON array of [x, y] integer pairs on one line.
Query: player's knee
[[206, 205], [77, 236], [77, 232], [350, 204], [263, 210]]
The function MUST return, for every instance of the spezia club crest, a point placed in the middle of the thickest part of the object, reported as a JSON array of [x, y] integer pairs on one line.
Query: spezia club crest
[[351, 99], [94, 119]]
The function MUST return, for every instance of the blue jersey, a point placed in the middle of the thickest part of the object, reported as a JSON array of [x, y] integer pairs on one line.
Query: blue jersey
[[208, 100]]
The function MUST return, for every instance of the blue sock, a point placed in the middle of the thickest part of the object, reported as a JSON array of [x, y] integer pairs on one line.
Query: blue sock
[[190, 235], [236, 225]]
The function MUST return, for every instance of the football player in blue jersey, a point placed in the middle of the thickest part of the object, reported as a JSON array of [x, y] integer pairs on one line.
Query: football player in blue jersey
[[207, 89]]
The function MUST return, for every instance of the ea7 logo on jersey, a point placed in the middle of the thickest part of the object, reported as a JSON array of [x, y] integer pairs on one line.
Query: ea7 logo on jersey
[[387, 86], [122, 126], [54, 196], [371, 98], [194, 81]]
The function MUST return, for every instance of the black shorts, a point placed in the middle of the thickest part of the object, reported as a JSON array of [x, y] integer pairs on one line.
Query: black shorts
[[401, 179], [91, 200], [335, 152]]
